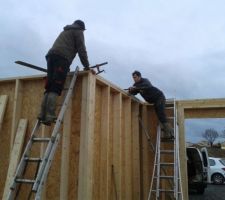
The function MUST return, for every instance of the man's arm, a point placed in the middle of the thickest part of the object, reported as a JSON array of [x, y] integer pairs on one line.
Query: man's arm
[[82, 51], [133, 90]]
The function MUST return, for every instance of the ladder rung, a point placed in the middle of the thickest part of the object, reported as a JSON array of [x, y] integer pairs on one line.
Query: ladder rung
[[167, 140], [167, 151], [28, 181], [169, 107], [41, 139], [33, 159], [165, 177], [163, 190], [167, 164]]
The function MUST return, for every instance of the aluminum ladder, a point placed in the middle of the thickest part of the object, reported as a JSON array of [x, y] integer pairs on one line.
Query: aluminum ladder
[[43, 163], [166, 182]]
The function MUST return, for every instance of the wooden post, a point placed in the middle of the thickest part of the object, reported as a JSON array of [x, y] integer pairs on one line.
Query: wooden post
[[85, 184], [182, 151], [145, 156]]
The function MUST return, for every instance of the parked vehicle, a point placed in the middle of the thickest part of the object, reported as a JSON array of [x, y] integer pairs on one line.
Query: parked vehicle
[[197, 167], [216, 173]]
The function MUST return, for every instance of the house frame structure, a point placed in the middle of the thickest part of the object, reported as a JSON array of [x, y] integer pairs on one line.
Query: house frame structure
[[103, 152]]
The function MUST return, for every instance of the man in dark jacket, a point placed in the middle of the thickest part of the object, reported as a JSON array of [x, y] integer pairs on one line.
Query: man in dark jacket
[[154, 96], [59, 58]]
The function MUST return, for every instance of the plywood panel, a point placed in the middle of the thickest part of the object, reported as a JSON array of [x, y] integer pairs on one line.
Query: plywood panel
[[75, 141], [135, 159], [127, 152], [64, 175], [6, 88], [29, 107], [117, 150], [98, 169]]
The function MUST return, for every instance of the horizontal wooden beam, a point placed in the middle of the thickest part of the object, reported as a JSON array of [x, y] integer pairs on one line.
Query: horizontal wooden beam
[[204, 113], [202, 103]]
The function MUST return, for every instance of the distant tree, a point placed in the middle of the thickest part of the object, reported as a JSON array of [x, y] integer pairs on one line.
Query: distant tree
[[223, 134], [210, 135]]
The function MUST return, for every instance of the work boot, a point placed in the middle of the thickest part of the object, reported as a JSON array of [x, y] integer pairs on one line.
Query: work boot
[[50, 115], [41, 115], [168, 132]]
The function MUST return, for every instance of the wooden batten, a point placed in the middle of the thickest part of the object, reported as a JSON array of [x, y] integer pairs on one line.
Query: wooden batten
[[3, 103], [15, 155], [16, 108]]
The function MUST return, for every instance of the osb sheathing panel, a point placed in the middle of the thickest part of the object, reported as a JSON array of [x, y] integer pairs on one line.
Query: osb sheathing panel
[[98, 170], [75, 141], [6, 88], [149, 120]]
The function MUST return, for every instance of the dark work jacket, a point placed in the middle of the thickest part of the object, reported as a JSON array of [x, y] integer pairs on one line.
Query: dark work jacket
[[150, 93], [69, 43]]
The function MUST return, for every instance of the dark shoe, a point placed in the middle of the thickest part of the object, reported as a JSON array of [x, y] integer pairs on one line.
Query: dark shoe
[[50, 115], [167, 131], [41, 115], [46, 123]]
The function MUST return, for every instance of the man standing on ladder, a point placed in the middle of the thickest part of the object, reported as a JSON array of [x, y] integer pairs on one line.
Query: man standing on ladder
[[59, 58], [153, 96]]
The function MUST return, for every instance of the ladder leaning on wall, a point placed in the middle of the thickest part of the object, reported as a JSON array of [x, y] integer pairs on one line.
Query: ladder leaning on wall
[[166, 182], [43, 163]]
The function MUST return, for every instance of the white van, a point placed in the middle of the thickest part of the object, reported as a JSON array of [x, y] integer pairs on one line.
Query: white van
[[197, 168]]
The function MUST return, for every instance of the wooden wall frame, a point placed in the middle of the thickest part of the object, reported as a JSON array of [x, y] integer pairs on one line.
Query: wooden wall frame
[[103, 152]]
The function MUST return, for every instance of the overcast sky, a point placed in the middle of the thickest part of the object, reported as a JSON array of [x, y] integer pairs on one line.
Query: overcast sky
[[178, 44], [194, 129]]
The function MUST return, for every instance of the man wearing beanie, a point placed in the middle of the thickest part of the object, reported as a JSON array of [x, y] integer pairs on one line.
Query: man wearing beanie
[[59, 58]]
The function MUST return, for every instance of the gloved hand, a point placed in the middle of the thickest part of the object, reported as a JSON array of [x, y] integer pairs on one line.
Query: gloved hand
[[88, 68], [132, 89]]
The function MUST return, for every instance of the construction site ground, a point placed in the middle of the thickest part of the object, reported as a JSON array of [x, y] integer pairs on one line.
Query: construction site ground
[[212, 192]]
